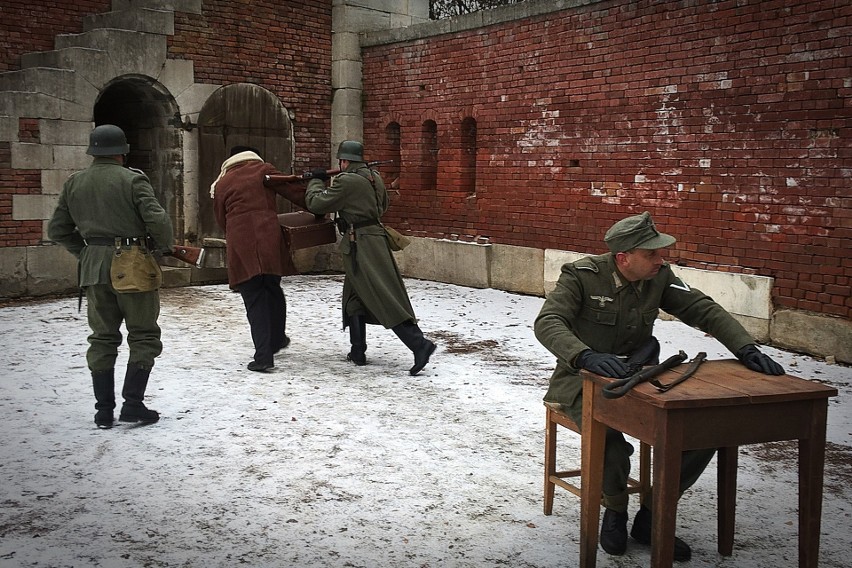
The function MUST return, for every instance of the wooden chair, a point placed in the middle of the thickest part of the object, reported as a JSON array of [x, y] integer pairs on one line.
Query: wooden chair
[[552, 478]]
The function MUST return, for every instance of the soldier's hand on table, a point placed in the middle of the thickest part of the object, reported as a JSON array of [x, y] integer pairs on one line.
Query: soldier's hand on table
[[604, 364], [319, 173], [751, 357]]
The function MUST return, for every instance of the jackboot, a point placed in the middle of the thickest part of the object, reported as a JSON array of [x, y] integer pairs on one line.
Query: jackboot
[[103, 383], [641, 533], [358, 339], [135, 383], [614, 532], [413, 338]]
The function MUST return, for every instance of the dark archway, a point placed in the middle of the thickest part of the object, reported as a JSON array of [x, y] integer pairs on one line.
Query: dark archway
[[429, 156], [240, 114], [145, 110], [467, 157]]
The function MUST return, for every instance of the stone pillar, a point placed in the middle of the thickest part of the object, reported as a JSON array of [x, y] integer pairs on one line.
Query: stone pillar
[[349, 18]]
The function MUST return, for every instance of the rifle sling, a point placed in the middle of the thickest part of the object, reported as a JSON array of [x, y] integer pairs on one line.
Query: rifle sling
[[619, 388], [693, 367]]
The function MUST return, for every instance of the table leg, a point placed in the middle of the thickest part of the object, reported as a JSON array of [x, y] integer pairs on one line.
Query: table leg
[[726, 482], [668, 450], [811, 466], [592, 445]]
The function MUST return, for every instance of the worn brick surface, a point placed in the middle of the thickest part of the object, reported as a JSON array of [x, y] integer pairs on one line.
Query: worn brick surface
[[284, 46], [729, 121]]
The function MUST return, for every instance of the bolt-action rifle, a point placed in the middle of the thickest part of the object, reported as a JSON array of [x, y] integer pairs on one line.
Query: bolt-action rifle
[[190, 255], [275, 179]]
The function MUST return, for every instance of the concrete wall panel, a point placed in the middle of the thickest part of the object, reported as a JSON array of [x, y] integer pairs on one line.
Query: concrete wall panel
[[517, 269], [50, 269]]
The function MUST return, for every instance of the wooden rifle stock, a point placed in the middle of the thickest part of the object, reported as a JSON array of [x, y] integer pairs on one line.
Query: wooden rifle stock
[[190, 255], [275, 179]]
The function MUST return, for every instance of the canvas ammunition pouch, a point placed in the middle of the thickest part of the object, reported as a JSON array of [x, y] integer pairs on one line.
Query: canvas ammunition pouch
[[397, 240], [134, 269]]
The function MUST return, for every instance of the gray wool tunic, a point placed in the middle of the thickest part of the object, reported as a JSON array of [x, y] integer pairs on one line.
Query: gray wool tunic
[[594, 307], [106, 200]]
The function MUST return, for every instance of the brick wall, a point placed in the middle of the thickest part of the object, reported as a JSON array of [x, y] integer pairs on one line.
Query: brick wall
[[283, 46], [27, 26], [729, 121]]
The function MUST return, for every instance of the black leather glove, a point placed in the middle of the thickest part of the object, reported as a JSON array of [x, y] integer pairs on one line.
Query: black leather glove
[[751, 357], [604, 364], [319, 173]]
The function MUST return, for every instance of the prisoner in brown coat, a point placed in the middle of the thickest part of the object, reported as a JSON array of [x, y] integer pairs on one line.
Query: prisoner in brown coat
[[257, 255]]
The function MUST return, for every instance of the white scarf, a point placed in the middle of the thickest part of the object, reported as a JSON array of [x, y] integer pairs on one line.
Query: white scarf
[[231, 162]]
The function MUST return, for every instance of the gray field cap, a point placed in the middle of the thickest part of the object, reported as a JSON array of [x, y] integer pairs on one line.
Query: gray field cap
[[637, 231]]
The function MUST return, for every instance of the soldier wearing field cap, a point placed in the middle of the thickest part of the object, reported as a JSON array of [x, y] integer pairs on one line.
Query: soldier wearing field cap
[[602, 312]]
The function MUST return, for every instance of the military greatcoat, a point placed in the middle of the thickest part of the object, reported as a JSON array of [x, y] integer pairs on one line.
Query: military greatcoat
[[373, 285]]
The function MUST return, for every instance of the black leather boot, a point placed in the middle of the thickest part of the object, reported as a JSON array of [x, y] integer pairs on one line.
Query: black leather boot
[[103, 383], [614, 532], [358, 339], [413, 338], [135, 383], [641, 533]]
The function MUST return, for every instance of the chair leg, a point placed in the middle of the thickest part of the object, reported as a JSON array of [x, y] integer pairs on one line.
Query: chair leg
[[549, 462]]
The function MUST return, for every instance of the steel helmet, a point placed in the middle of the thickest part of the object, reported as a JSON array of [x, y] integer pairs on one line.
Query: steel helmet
[[350, 150], [107, 140]]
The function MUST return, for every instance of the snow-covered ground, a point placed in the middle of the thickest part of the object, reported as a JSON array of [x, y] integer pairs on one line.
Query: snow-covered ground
[[322, 463]]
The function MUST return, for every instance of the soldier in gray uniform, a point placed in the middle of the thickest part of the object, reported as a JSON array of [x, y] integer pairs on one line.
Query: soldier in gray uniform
[[98, 205], [373, 290], [601, 312]]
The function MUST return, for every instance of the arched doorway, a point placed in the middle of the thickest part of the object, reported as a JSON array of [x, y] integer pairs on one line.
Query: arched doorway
[[146, 111], [240, 114]]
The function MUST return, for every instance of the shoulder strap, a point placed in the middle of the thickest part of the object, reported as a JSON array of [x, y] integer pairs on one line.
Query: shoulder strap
[[369, 177]]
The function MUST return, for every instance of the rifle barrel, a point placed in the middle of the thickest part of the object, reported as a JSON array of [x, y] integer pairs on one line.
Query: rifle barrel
[[274, 179]]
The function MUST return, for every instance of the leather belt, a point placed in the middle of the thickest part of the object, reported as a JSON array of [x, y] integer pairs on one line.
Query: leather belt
[[362, 224], [109, 242]]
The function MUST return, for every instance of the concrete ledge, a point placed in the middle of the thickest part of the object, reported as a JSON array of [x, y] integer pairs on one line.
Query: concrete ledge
[[453, 262], [174, 277], [553, 261], [50, 269], [204, 276], [324, 258], [517, 269], [813, 333], [742, 294], [13, 267]]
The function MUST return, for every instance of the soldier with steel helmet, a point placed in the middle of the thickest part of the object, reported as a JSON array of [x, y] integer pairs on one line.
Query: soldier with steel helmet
[[373, 290], [103, 212]]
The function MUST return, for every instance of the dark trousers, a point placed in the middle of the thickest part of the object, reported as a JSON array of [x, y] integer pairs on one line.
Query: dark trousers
[[617, 452], [106, 310], [266, 310]]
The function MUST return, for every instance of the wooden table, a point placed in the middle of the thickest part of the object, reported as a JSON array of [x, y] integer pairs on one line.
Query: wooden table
[[724, 405]]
